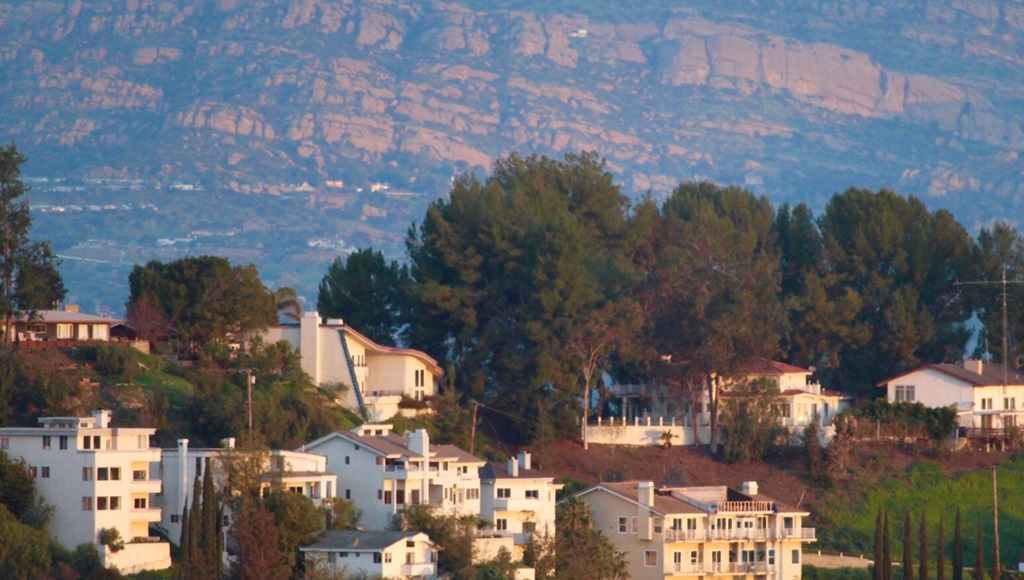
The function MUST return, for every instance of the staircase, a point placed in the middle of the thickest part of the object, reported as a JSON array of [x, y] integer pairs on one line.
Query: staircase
[[352, 373]]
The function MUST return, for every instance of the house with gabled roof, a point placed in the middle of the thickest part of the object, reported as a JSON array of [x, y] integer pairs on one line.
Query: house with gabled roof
[[383, 473], [378, 377], [66, 324], [695, 532], [985, 395], [381, 554], [518, 500]]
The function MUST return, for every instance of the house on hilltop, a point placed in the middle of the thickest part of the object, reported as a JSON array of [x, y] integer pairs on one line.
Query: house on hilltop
[[403, 555], [378, 377], [67, 324], [518, 500], [695, 532], [985, 395]]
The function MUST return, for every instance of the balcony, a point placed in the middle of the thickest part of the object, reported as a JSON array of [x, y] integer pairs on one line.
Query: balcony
[[739, 535], [746, 507], [146, 486], [684, 535], [795, 533], [146, 515], [425, 569], [517, 504]]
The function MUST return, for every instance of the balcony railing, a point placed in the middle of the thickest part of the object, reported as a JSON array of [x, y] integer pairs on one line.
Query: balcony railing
[[403, 467], [983, 433], [740, 534], [746, 506]]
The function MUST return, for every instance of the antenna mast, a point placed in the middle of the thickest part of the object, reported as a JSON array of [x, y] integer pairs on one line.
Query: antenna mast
[[1003, 282]]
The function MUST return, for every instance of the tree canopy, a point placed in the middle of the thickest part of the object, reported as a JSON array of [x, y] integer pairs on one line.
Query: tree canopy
[[29, 279], [368, 293]]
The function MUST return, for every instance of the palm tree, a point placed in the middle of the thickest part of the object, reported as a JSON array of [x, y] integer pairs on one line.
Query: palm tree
[[288, 303]]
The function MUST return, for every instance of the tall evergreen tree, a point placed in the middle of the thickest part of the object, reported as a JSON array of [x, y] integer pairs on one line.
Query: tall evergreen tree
[[29, 279], [196, 557], [979, 556], [367, 292], [922, 558], [958, 548], [908, 549], [940, 561], [886, 550], [878, 570], [183, 543], [210, 525]]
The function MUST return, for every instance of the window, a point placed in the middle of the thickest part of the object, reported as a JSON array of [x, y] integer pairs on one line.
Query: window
[[387, 557], [348, 494], [771, 557], [295, 489], [87, 504], [532, 494], [622, 524], [64, 331], [175, 518], [410, 558], [796, 556], [410, 543], [343, 554], [400, 497], [1010, 403], [785, 410], [659, 523], [86, 442], [693, 556], [900, 392], [46, 441], [986, 404], [420, 378], [140, 475], [377, 558], [473, 493], [501, 524], [115, 474], [504, 493], [650, 558], [529, 527], [910, 395], [96, 442], [63, 441], [115, 502], [32, 472], [86, 474], [101, 503], [346, 459], [46, 472], [387, 497], [103, 474], [140, 503]]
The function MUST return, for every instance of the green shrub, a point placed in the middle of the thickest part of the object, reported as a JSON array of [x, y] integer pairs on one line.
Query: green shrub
[[116, 360]]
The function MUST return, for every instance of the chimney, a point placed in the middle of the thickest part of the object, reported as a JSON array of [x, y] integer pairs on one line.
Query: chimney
[[419, 442], [102, 418], [182, 474], [645, 493], [974, 365], [524, 460], [228, 443], [309, 345], [513, 467], [749, 488], [73, 308]]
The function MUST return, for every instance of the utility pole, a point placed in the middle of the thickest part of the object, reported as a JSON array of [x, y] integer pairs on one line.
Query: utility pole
[[249, 381], [1003, 282], [995, 526], [472, 437]]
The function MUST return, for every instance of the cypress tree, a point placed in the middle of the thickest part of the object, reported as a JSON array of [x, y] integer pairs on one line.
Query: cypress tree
[[958, 548], [183, 541], [195, 531], [878, 570], [941, 558], [886, 551], [979, 557], [209, 525], [922, 560], [908, 549]]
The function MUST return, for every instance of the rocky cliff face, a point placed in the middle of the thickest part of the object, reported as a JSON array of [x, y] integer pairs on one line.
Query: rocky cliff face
[[792, 99]]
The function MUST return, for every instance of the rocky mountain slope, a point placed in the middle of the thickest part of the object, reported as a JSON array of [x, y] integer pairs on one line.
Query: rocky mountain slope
[[193, 103]]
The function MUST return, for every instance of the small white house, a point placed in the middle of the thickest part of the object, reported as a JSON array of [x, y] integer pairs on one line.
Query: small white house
[[519, 500], [404, 555]]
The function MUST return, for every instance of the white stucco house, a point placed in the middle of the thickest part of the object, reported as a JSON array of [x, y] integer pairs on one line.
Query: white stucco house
[[96, 476], [518, 500], [302, 473], [380, 554], [379, 377], [383, 473], [987, 396]]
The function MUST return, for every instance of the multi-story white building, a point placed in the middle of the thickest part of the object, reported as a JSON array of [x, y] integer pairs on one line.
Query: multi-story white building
[[379, 554], [378, 376], [518, 500], [985, 395], [382, 473], [298, 472], [695, 532], [97, 477]]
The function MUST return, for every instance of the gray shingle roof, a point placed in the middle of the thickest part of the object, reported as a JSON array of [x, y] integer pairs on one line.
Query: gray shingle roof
[[358, 540]]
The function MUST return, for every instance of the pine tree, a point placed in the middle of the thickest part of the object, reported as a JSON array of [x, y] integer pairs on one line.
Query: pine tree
[[979, 556], [195, 527], [878, 570], [922, 559], [940, 562], [958, 548], [908, 549]]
